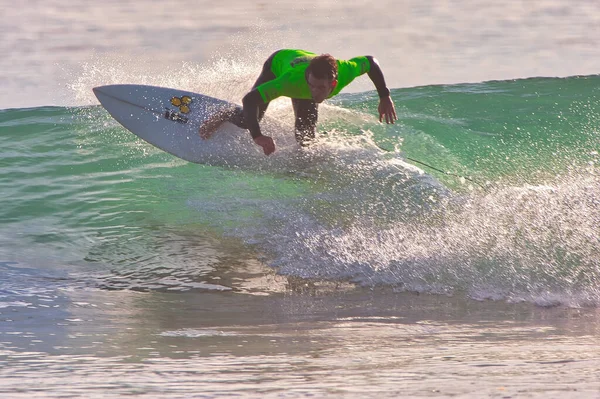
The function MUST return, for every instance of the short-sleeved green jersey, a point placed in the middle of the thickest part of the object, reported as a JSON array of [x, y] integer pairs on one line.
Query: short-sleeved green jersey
[[289, 67]]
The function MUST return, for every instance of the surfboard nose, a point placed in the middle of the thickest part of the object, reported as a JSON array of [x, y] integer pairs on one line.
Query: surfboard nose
[[97, 90], [104, 92]]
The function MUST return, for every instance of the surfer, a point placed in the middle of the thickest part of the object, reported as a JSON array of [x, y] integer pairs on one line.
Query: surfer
[[308, 79]]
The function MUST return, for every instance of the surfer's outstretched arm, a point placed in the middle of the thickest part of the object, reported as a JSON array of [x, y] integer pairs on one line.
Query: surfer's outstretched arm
[[386, 105], [252, 112]]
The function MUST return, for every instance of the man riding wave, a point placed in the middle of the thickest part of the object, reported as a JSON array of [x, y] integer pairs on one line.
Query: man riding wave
[[308, 79]]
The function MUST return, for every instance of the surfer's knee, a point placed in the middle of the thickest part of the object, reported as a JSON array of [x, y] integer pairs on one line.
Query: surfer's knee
[[236, 116]]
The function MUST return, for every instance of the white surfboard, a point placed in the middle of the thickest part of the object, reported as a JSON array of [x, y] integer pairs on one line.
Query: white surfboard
[[170, 119]]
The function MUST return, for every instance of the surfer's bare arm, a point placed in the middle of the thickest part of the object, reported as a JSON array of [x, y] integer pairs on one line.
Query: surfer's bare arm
[[386, 106], [251, 110]]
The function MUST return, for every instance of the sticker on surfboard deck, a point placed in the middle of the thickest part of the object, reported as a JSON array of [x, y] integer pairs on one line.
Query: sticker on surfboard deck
[[183, 104]]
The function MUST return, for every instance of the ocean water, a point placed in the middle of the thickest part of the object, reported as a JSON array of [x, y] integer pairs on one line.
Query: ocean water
[[454, 253]]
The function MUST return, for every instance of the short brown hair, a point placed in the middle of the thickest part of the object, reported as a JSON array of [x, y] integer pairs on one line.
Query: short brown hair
[[323, 66]]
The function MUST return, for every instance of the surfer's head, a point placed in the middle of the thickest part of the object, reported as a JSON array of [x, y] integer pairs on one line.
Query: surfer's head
[[321, 76]]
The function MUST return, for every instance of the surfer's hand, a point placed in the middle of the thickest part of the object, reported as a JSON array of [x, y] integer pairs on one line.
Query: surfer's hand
[[266, 143], [386, 108]]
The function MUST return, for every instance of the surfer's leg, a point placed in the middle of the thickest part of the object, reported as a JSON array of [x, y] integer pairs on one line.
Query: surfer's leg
[[307, 113], [266, 74], [236, 116]]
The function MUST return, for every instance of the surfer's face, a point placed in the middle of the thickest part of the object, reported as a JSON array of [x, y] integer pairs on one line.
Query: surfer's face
[[320, 89]]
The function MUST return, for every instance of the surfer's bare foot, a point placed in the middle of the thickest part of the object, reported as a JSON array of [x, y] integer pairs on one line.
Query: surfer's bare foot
[[211, 125]]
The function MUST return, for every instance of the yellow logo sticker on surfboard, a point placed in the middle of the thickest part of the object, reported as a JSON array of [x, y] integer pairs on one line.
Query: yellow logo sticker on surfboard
[[183, 103]]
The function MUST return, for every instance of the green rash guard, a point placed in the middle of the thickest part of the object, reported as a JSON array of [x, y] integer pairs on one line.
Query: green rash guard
[[289, 67]]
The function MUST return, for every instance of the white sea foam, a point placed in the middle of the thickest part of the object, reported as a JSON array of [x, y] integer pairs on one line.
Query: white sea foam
[[536, 244]]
